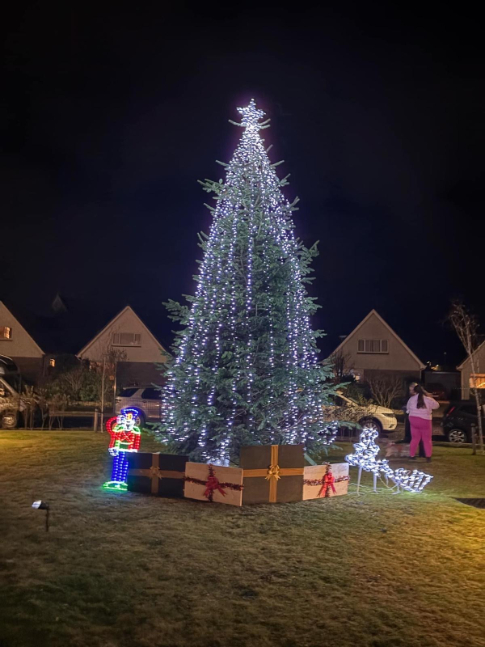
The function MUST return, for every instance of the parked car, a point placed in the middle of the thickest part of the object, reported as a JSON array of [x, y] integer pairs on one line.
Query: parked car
[[11, 403], [345, 408], [458, 420], [147, 399]]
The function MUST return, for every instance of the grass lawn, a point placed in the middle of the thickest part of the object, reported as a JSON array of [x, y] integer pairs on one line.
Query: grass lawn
[[118, 570]]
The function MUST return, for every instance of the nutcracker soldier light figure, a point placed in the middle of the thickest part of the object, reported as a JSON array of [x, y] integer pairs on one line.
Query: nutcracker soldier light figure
[[125, 437]]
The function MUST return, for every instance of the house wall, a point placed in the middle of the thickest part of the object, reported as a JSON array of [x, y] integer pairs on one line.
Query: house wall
[[406, 376], [22, 349], [140, 373], [396, 360], [127, 322], [466, 372], [31, 368]]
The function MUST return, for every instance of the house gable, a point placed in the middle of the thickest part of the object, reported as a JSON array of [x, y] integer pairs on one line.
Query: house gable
[[373, 345], [20, 343], [479, 354], [465, 369], [127, 333]]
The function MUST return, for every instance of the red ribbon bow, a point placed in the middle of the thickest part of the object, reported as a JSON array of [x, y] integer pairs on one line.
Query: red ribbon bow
[[328, 482], [212, 484]]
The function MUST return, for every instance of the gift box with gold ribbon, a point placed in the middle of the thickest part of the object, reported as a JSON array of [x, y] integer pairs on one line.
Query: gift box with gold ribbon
[[322, 481], [158, 474], [213, 483], [272, 473]]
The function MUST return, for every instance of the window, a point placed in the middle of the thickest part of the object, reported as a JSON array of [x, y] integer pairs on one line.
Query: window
[[477, 381], [151, 394], [126, 339], [5, 333], [52, 362], [372, 346], [127, 393]]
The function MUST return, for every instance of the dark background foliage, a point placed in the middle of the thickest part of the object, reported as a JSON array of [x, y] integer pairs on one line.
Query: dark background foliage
[[111, 112]]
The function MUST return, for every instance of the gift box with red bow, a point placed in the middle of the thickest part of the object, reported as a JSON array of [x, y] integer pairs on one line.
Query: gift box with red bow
[[213, 483], [321, 481]]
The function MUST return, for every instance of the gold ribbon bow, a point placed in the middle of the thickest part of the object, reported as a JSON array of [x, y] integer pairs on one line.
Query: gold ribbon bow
[[154, 473], [273, 473]]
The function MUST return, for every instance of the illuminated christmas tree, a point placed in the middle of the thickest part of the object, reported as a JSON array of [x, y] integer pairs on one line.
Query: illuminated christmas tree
[[245, 365]]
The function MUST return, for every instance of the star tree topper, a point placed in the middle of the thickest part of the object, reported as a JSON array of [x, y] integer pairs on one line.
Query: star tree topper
[[250, 117]]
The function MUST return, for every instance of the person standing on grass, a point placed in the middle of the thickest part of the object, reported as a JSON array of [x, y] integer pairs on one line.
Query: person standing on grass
[[420, 410], [407, 426]]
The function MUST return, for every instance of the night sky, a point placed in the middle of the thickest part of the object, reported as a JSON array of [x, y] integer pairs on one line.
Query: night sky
[[109, 115]]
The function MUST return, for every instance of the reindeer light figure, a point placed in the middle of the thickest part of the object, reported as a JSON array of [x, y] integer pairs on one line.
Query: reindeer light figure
[[365, 458]]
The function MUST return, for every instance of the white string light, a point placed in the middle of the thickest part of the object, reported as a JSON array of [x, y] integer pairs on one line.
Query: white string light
[[365, 457], [412, 481], [251, 210]]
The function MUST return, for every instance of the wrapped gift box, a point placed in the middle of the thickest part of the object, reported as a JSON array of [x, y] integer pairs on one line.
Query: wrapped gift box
[[159, 474], [272, 473], [321, 481], [213, 483]]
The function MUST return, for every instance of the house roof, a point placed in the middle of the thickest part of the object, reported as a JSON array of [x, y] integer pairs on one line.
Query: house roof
[[66, 329], [111, 322], [58, 332], [25, 320], [467, 359], [376, 314]]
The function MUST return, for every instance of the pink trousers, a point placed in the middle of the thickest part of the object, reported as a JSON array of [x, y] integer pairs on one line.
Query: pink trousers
[[420, 430]]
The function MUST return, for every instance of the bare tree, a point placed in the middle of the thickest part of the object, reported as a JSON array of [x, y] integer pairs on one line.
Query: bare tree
[[57, 409], [73, 381], [108, 365], [29, 400], [384, 388], [43, 404], [342, 366], [466, 327]]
